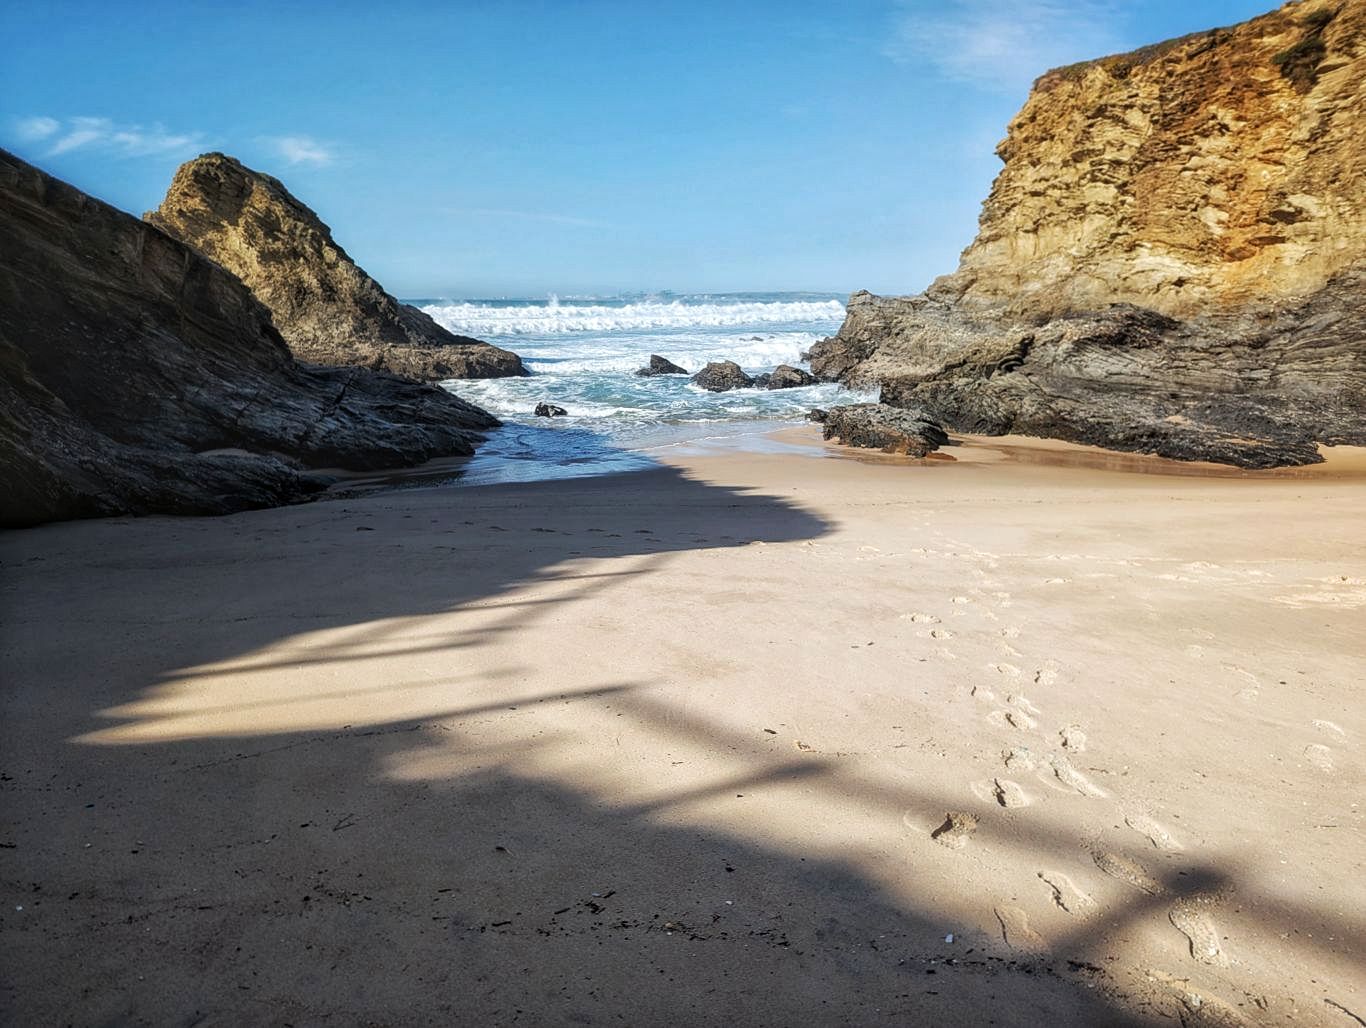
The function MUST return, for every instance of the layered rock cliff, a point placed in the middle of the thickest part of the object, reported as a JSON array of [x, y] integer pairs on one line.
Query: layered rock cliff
[[136, 376], [1172, 259], [326, 307]]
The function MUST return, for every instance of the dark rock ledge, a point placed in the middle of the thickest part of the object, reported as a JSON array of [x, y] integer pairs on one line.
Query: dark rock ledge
[[137, 376]]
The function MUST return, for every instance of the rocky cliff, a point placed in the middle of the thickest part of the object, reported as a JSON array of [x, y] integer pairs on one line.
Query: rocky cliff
[[137, 376], [326, 307], [1172, 259]]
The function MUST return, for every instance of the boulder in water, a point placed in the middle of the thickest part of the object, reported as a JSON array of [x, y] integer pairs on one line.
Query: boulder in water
[[785, 376], [722, 376], [550, 410], [660, 366]]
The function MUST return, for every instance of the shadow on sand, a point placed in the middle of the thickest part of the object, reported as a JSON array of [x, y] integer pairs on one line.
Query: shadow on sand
[[302, 876]]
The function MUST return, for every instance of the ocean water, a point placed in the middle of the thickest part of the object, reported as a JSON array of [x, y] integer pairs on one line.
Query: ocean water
[[582, 354]]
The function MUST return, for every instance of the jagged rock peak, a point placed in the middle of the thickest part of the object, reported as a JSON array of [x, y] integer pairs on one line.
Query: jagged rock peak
[[324, 304]]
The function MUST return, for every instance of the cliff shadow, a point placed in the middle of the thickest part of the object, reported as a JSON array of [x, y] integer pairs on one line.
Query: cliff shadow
[[224, 804]]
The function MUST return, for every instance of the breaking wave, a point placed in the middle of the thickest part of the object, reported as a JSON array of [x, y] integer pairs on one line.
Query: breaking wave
[[554, 317]]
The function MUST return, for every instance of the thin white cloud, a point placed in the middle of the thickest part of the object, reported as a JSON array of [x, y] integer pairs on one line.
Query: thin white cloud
[[87, 133], [36, 128], [1003, 45], [301, 149]]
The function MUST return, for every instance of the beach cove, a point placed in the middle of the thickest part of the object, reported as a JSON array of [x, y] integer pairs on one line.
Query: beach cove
[[972, 742]]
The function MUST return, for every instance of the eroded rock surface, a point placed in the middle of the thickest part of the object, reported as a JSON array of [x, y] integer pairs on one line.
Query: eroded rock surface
[[1205, 173], [326, 307], [1172, 260], [136, 376]]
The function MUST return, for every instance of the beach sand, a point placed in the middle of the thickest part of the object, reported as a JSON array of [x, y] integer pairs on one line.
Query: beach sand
[[681, 746]]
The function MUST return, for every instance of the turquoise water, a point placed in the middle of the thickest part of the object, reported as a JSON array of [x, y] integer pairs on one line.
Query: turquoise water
[[582, 353]]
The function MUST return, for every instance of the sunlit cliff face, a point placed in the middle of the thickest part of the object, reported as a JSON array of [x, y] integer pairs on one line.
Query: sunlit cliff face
[[1221, 169]]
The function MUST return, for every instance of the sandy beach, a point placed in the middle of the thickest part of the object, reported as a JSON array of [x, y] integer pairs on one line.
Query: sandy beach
[[681, 746]]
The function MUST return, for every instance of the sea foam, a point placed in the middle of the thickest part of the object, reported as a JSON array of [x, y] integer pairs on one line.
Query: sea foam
[[552, 317]]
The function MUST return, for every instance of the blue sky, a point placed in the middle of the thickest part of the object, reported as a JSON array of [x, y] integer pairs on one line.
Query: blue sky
[[479, 149]]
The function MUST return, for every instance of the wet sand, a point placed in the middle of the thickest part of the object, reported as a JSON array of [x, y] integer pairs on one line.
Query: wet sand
[[681, 746]]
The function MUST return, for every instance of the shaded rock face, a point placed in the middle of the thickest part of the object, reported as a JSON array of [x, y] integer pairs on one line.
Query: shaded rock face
[[721, 376], [878, 426], [136, 376], [326, 307], [660, 366], [1172, 260]]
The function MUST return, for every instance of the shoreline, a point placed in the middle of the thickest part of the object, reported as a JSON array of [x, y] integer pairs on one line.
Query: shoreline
[[368, 753], [803, 439]]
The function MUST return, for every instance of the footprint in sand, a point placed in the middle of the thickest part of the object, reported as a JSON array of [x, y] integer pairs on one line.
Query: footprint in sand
[[1011, 633], [1066, 894], [1020, 700], [1010, 794], [1068, 775], [923, 619], [1009, 670], [1045, 676], [1199, 1009], [940, 633], [1192, 922], [1073, 739], [956, 830], [984, 694], [1131, 872], [1016, 931], [1020, 758], [1320, 757], [1017, 719], [1329, 727], [961, 599], [1156, 834]]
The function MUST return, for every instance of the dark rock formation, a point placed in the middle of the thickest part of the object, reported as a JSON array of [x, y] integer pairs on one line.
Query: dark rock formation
[[326, 307], [785, 376], [877, 426], [1172, 260], [549, 410], [1257, 389], [721, 376], [660, 366], [817, 414], [137, 377]]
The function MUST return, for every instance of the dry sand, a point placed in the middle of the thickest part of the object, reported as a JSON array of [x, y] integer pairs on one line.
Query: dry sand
[[677, 748]]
